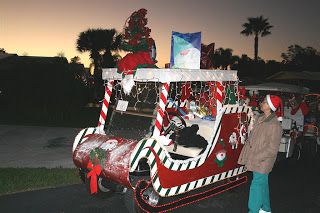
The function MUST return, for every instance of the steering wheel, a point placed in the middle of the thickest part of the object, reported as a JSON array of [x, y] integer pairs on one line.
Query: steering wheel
[[176, 122]]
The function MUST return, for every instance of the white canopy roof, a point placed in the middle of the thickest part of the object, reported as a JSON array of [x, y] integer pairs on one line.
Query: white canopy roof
[[173, 75], [273, 86]]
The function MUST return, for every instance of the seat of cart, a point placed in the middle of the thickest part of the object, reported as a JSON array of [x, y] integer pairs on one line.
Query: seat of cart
[[206, 129]]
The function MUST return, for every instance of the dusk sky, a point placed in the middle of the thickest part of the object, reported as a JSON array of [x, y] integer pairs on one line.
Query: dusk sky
[[46, 27]]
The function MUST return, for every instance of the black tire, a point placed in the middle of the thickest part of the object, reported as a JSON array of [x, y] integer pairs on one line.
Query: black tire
[[104, 186], [102, 191]]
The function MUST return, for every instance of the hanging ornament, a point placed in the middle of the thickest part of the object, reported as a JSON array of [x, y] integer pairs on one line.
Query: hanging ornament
[[230, 95], [242, 92]]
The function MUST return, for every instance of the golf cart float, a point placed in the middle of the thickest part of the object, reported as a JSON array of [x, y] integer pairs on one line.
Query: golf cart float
[[292, 125], [157, 168]]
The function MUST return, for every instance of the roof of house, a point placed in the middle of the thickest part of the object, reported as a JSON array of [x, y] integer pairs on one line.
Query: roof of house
[[274, 86], [303, 75]]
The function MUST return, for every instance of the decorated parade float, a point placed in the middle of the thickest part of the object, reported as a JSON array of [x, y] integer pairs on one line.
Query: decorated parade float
[[165, 137]]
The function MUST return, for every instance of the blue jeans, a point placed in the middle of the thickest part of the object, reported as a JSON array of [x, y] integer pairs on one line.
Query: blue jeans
[[259, 193]]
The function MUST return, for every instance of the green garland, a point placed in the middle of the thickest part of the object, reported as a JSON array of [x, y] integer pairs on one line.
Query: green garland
[[141, 46], [98, 156]]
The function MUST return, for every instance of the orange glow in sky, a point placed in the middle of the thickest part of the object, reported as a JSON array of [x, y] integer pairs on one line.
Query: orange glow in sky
[[46, 28]]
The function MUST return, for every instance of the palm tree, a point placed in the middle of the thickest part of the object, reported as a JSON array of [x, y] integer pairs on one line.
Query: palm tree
[[111, 47], [100, 43], [258, 26]]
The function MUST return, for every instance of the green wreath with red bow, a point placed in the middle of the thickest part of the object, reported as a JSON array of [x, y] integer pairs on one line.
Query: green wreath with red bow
[[97, 158]]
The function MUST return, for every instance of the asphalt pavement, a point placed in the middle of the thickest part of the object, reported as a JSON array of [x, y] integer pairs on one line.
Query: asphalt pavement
[[294, 188], [36, 146]]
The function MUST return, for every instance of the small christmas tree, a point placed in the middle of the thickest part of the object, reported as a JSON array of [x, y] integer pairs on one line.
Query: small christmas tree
[[138, 42], [137, 34]]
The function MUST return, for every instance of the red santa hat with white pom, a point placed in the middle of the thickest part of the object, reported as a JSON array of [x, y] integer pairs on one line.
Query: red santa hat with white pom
[[275, 104]]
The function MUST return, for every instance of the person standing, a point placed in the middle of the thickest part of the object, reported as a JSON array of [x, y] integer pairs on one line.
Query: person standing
[[260, 152]]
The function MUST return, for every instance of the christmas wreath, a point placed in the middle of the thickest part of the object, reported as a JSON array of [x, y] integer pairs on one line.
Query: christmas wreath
[[97, 158]]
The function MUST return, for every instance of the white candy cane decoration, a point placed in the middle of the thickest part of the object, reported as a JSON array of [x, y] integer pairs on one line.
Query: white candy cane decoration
[[162, 106], [105, 106], [219, 95]]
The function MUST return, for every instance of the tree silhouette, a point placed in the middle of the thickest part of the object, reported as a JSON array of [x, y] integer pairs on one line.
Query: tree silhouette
[[258, 26], [299, 58], [112, 44], [99, 43], [2, 50], [223, 58], [61, 54], [75, 60]]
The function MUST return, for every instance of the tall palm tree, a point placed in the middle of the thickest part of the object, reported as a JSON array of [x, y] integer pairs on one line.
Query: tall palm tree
[[99, 43], [258, 26]]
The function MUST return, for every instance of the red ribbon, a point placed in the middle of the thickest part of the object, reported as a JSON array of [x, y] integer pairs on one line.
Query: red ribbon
[[93, 174]]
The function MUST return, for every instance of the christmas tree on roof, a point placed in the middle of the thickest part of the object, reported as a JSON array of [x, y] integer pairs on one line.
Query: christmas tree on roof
[[138, 43]]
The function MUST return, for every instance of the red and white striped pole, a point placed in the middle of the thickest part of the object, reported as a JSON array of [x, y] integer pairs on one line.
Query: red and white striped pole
[[162, 106], [105, 106], [219, 95]]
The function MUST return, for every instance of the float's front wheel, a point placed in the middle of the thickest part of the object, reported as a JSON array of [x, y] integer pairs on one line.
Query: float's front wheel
[[104, 186]]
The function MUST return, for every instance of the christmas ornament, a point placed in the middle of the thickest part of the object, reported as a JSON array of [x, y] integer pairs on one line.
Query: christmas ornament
[[230, 95]]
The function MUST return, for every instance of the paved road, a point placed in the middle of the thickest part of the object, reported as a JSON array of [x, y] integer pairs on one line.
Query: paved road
[[294, 188], [36, 146]]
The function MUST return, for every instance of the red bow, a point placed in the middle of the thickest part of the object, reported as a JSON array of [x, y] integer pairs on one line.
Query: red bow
[[93, 174]]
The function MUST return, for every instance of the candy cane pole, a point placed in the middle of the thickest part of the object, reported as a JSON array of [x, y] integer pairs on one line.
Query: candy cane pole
[[105, 106], [219, 95], [162, 106]]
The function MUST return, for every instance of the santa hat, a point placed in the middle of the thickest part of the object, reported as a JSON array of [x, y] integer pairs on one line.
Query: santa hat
[[275, 102]]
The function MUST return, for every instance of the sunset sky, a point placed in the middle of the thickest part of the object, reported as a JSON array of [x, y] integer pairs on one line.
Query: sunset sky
[[47, 27]]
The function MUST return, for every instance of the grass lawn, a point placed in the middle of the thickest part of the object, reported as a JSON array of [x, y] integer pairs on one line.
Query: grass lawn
[[26, 179]]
